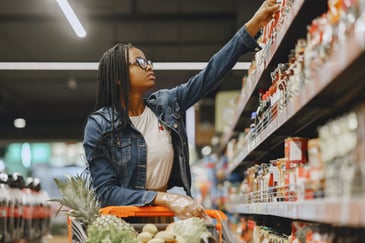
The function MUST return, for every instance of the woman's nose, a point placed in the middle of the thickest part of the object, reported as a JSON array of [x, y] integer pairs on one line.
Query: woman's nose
[[149, 66]]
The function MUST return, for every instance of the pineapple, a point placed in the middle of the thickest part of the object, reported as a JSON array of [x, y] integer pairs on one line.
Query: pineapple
[[83, 206], [79, 198], [109, 228]]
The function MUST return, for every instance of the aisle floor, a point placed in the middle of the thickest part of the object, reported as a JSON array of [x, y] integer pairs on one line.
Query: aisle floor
[[56, 239]]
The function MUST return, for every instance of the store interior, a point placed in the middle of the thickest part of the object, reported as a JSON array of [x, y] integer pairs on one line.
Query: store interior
[[278, 147]]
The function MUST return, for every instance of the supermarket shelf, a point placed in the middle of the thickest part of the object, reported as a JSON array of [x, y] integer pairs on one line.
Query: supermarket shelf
[[344, 212], [332, 81], [282, 43]]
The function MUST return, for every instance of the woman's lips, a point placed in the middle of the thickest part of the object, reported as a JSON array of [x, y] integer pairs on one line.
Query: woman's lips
[[151, 76]]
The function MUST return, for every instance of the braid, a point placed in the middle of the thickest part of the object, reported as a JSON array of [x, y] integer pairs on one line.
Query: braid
[[114, 67], [125, 76]]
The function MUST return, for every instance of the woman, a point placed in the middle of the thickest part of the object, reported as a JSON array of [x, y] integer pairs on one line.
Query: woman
[[137, 147]]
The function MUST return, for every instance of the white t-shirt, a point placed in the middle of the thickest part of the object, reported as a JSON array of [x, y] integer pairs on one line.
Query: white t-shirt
[[160, 152]]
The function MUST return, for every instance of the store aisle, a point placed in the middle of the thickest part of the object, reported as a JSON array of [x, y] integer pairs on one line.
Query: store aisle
[[55, 239]]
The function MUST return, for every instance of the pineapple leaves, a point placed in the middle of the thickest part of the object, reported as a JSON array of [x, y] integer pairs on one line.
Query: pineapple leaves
[[78, 198]]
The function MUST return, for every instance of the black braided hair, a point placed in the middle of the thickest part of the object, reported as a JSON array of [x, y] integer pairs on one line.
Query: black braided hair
[[113, 81]]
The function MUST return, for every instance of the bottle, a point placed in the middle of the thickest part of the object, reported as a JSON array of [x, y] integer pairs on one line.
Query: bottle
[[44, 218], [260, 185], [260, 111], [16, 184], [28, 209], [4, 208], [267, 108], [265, 184], [274, 93], [282, 85], [268, 183], [253, 126]]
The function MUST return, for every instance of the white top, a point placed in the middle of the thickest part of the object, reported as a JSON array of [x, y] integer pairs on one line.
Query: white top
[[160, 152]]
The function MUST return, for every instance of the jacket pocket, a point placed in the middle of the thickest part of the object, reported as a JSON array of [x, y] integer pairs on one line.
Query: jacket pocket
[[122, 150]]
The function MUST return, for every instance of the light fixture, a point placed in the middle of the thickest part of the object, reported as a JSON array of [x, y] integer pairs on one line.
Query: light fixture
[[48, 65], [26, 155], [20, 123], [72, 84], [94, 65], [72, 18], [192, 65]]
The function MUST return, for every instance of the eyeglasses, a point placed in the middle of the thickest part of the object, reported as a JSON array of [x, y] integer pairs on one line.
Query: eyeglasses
[[142, 63]]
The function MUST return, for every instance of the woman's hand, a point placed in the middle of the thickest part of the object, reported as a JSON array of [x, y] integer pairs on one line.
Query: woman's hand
[[263, 15], [183, 206]]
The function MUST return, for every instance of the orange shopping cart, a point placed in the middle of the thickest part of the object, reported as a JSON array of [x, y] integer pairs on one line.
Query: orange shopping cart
[[219, 229]]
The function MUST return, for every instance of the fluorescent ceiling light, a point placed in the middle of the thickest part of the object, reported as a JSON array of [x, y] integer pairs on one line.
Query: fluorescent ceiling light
[[94, 65], [192, 65], [72, 18], [48, 65]]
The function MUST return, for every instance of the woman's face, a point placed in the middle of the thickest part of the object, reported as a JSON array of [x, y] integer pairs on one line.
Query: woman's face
[[141, 75]]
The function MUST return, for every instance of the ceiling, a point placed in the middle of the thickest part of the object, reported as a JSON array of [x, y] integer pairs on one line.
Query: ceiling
[[55, 103]]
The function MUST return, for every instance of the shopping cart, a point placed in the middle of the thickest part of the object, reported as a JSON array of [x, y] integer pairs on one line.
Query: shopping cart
[[219, 229]]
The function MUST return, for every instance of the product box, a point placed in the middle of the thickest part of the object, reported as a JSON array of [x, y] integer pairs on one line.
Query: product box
[[296, 149]]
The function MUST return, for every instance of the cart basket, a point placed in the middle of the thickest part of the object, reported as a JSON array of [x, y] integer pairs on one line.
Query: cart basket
[[220, 230]]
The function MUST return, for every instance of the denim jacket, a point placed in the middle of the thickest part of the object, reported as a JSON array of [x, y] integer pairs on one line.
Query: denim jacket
[[117, 161]]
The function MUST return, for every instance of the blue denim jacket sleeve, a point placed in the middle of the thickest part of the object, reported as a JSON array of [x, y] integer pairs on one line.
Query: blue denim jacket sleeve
[[217, 68], [105, 181]]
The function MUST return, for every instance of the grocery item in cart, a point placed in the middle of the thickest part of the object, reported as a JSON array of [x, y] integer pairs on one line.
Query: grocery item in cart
[[83, 211], [188, 228]]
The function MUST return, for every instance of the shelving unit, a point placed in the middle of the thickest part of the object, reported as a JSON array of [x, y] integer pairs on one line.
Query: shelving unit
[[331, 90], [328, 82], [343, 212], [294, 27], [334, 88]]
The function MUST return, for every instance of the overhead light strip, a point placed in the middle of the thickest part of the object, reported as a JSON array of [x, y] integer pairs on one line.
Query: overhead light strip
[[72, 18], [48, 66], [192, 65], [94, 65]]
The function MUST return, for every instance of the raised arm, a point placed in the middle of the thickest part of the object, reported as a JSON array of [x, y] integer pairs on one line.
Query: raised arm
[[221, 63]]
